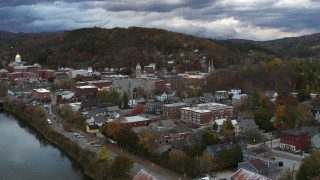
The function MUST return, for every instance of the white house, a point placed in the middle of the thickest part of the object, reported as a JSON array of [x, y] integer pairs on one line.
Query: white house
[[315, 141], [272, 95], [132, 103], [235, 91], [162, 97]]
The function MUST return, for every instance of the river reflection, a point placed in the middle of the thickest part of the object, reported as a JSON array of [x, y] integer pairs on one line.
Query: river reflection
[[25, 154]]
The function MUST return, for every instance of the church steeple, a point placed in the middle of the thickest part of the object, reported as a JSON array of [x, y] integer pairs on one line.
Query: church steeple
[[138, 71]]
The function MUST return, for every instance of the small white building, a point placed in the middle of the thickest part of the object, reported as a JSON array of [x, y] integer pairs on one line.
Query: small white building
[[235, 91]]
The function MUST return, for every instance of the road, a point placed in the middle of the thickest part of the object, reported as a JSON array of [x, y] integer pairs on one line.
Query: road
[[86, 143], [290, 160]]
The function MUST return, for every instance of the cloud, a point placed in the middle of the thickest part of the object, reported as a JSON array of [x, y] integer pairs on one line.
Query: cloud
[[219, 19]]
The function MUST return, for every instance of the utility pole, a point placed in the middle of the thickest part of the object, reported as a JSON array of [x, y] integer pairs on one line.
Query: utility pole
[[271, 140]]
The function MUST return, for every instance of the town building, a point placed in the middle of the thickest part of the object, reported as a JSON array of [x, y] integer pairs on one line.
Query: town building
[[172, 110], [137, 121], [245, 126], [221, 96], [41, 94], [196, 116], [294, 140], [86, 92]]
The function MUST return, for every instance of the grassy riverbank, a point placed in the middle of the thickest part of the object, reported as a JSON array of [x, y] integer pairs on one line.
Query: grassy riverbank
[[87, 159]]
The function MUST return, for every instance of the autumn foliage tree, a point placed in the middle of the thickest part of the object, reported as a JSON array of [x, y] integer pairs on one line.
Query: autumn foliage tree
[[309, 168], [103, 154], [279, 116], [206, 163], [147, 139], [120, 166], [112, 128]]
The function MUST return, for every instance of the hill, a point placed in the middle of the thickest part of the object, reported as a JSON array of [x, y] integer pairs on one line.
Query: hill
[[307, 46], [119, 47]]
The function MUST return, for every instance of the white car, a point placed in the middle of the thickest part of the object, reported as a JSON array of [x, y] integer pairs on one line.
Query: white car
[[77, 134], [49, 121]]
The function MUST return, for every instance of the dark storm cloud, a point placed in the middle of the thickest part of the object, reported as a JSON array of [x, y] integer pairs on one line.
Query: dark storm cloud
[[252, 19]]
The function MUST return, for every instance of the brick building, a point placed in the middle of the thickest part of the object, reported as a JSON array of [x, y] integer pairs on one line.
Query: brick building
[[172, 110], [200, 114], [155, 84], [294, 140], [86, 92], [45, 73], [41, 94], [19, 75], [196, 116]]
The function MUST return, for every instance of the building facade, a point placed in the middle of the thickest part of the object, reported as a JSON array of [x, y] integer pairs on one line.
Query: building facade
[[172, 110], [294, 140]]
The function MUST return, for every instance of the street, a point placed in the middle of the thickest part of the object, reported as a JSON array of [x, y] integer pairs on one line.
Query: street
[[113, 150]]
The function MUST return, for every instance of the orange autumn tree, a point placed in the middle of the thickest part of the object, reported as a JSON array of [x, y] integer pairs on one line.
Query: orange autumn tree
[[113, 127], [279, 114]]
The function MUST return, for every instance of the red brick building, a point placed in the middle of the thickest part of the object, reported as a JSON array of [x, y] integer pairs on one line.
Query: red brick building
[[174, 80], [41, 94], [155, 84], [172, 110], [196, 116], [45, 73], [86, 92], [294, 140], [18, 75]]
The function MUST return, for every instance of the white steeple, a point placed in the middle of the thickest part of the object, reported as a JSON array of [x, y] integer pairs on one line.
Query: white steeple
[[138, 71]]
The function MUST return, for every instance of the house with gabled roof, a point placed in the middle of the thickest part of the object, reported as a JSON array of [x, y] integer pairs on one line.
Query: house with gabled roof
[[260, 151], [113, 111], [162, 125], [177, 132], [254, 165], [214, 150], [100, 120], [243, 174], [244, 126], [101, 111], [260, 165]]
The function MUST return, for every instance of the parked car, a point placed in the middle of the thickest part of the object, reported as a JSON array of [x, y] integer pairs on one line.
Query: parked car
[[49, 121], [96, 145], [80, 136], [77, 134], [205, 177]]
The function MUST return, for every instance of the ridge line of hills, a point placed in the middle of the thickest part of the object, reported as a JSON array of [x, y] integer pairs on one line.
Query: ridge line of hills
[[100, 48]]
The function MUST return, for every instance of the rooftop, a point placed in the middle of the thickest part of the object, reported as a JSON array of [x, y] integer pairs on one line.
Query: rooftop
[[42, 90], [243, 174], [86, 87], [294, 132], [132, 119]]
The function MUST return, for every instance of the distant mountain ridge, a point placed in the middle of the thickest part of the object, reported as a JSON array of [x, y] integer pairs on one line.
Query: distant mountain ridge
[[125, 47]]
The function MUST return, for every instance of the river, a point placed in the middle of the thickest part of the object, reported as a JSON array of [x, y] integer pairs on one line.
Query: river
[[25, 154]]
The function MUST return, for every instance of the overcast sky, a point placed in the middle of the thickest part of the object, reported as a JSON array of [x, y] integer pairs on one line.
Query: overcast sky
[[217, 19]]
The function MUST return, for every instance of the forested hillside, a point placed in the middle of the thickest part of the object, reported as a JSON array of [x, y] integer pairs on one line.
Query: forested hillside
[[119, 47]]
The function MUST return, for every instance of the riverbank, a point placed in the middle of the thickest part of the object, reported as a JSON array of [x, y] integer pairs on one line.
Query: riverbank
[[87, 159]]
